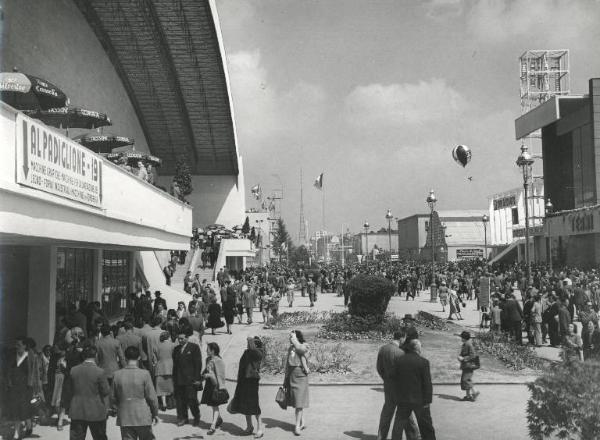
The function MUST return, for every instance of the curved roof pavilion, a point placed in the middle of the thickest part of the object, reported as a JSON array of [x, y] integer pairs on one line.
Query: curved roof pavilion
[[170, 58]]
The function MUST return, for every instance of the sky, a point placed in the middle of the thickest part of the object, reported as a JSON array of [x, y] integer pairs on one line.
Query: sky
[[376, 93]]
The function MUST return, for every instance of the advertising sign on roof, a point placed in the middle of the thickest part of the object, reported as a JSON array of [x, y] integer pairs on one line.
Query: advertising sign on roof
[[50, 162], [468, 254]]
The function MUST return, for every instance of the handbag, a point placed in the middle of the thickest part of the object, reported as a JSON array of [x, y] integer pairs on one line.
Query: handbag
[[219, 396], [281, 397], [472, 364]]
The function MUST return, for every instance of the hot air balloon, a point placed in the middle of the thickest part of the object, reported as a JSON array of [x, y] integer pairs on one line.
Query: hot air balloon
[[462, 155]]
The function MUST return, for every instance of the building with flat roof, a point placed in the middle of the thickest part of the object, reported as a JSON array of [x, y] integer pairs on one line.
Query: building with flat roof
[[456, 235], [570, 127]]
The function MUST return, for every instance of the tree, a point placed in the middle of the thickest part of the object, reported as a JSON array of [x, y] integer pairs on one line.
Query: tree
[[183, 177], [246, 226], [299, 256], [281, 239]]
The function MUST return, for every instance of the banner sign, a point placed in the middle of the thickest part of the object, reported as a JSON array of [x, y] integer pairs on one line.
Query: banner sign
[[484, 292], [50, 162], [467, 254]]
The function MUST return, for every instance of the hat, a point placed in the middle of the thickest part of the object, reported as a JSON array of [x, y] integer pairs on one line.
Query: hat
[[465, 335], [408, 316], [443, 283]]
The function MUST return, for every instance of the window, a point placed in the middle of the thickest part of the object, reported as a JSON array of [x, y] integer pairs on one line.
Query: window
[[115, 281], [515, 216], [74, 277]]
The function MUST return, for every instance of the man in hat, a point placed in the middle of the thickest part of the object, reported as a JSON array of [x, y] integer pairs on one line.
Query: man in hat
[[386, 361]]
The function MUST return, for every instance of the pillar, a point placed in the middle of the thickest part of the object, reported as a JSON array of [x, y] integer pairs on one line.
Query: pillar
[[97, 276], [41, 316]]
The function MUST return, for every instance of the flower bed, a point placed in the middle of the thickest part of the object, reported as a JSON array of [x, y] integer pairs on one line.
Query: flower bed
[[432, 322], [343, 326], [511, 354], [296, 319], [324, 357]]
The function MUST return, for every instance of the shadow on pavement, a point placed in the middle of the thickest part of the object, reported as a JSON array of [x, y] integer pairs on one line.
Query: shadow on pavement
[[378, 389], [272, 423], [360, 435], [449, 397]]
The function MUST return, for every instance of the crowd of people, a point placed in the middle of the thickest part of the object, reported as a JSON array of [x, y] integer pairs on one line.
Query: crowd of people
[[161, 347]]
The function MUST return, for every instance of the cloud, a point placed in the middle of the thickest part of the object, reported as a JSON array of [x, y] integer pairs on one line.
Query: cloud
[[444, 9], [264, 111], [398, 105], [552, 21]]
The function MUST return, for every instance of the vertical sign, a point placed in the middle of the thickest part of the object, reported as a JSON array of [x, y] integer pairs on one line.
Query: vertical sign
[[53, 163], [484, 292]]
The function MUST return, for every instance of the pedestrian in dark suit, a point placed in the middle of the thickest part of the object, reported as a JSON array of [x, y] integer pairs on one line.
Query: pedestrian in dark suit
[[88, 408], [413, 376], [187, 372], [158, 300], [386, 362], [514, 316], [134, 399]]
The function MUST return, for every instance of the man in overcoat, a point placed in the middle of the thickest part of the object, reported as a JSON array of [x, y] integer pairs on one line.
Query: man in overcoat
[[134, 398], [187, 372], [88, 407]]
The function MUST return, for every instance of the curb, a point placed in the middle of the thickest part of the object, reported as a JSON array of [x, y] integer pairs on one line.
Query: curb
[[380, 384]]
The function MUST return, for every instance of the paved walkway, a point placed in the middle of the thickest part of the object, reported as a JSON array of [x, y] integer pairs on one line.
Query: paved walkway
[[350, 412], [353, 412]]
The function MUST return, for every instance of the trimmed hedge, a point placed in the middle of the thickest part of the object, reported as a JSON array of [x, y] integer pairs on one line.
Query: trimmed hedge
[[369, 295], [564, 402]]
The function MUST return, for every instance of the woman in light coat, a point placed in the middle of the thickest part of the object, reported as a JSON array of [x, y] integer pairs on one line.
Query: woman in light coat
[[164, 369], [296, 377], [214, 373]]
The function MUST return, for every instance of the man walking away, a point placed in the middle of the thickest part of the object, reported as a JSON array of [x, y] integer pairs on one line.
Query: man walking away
[[110, 355], [413, 377], [514, 316], [386, 362], [89, 388], [134, 399]]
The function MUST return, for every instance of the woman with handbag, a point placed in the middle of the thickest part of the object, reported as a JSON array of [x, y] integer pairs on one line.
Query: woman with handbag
[[296, 377], [245, 398], [215, 393], [469, 362]]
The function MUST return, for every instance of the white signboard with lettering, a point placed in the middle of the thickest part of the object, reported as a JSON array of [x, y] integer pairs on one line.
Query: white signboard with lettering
[[55, 164]]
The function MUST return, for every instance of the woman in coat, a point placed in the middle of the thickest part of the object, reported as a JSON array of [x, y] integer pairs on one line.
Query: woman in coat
[[296, 377], [164, 369], [229, 309], [24, 381], [214, 315], [245, 399], [214, 374], [467, 354]]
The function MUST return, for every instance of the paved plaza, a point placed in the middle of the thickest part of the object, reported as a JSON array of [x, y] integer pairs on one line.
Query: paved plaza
[[349, 411]]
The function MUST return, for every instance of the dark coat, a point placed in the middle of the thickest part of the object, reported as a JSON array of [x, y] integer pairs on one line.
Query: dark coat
[[413, 376], [512, 310], [187, 365], [90, 387]]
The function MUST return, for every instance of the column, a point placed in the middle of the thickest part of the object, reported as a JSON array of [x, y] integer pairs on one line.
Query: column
[[97, 276], [41, 319]]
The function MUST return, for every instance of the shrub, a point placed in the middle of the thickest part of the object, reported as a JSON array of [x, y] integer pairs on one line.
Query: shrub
[[324, 357], [369, 295], [512, 354], [564, 402], [295, 319]]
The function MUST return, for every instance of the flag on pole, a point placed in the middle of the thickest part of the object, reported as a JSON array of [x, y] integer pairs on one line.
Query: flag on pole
[[319, 182]]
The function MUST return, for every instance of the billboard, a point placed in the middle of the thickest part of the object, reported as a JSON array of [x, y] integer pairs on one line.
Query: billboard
[[469, 253], [50, 162]]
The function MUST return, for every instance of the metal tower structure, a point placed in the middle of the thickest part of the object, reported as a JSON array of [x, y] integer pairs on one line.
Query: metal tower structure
[[302, 234], [543, 74]]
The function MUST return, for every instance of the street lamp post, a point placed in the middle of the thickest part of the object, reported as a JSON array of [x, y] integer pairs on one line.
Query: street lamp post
[[431, 201], [525, 162], [485, 219], [549, 209], [366, 226], [389, 217]]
